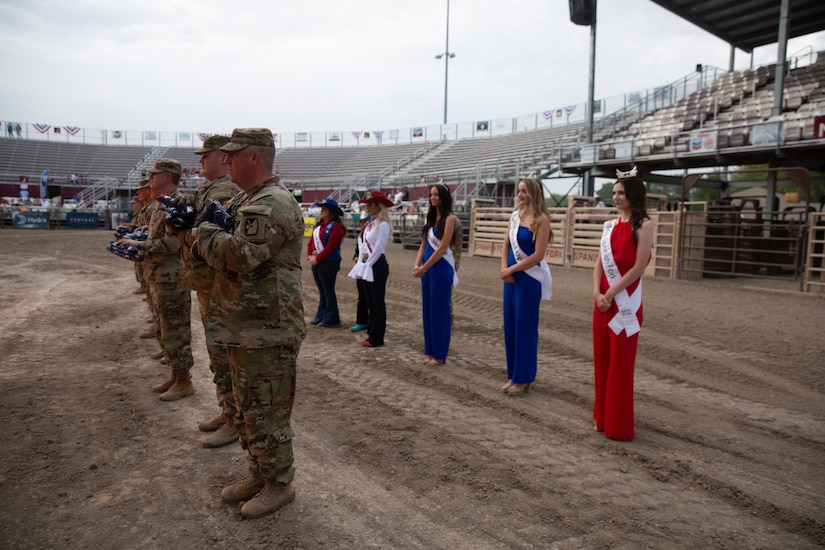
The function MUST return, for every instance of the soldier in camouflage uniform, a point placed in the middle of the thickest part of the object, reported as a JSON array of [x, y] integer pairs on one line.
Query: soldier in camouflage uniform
[[160, 254], [142, 221], [199, 276], [139, 204], [257, 312], [137, 221]]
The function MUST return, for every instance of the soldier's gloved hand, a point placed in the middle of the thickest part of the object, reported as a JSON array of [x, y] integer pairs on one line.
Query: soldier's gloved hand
[[122, 230], [196, 253], [179, 214], [128, 251], [137, 236], [224, 219], [207, 212], [214, 213]]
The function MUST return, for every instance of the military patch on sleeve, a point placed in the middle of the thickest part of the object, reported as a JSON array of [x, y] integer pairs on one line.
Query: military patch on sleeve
[[253, 222]]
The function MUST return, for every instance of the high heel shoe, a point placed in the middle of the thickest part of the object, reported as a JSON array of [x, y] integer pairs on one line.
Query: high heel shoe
[[516, 390], [506, 387]]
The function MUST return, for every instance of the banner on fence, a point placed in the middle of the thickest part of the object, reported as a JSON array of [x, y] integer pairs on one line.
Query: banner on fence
[[819, 127], [82, 220], [702, 142], [30, 220], [309, 226], [624, 149], [770, 133]]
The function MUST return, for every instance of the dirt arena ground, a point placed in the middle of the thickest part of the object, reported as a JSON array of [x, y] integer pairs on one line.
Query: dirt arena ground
[[392, 454]]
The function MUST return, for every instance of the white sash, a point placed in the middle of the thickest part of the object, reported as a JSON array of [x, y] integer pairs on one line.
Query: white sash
[[628, 305], [540, 271], [316, 238], [363, 270], [435, 242]]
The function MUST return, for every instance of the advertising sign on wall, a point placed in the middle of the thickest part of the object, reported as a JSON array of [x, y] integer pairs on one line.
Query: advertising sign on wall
[[82, 220], [702, 142], [30, 220]]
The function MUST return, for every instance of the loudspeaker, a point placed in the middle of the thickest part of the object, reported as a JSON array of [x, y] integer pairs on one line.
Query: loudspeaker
[[582, 12]]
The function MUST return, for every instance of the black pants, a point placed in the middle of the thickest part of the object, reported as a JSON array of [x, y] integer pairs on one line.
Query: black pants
[[362, 313], [376, 291]]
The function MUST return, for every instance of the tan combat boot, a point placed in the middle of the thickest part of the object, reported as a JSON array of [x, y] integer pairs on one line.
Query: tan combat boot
[[272, 498], [163, 386], [148, 333], [242, 490], [181, 388], [157, 355], [213, 423], [226, 434]]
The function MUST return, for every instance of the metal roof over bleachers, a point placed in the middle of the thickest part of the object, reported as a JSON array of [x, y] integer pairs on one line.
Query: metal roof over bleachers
[[748, 24]]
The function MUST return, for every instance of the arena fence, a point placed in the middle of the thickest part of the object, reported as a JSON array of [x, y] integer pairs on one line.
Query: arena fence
[[815, 266], [699, 241]]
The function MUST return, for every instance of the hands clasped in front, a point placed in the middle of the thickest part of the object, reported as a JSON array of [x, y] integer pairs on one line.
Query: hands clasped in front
[[603, 302]]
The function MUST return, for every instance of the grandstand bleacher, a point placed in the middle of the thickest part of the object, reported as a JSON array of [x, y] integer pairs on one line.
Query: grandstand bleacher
[[656, 130]]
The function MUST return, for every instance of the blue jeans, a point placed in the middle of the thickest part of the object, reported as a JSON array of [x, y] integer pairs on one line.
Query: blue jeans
[[324, 274]]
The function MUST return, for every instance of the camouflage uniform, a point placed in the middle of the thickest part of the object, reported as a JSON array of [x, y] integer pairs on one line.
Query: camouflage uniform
[[257, 312], [197, 275], [141, 218], [145, 215], [161, 259]]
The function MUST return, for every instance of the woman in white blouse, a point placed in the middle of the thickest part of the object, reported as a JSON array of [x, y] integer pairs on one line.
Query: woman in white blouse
[[372, 266]]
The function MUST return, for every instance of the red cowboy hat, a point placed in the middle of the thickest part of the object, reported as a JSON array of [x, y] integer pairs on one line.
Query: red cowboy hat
[[376, 196]]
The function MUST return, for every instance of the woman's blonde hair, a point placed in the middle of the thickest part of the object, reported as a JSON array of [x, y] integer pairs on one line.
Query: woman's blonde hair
[[538, 205], [384, 216]]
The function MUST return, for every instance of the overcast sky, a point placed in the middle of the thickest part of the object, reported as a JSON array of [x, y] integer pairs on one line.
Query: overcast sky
[[315, 65]]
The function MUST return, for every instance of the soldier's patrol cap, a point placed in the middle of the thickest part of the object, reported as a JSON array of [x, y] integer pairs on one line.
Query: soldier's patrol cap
[[244, 137], [212, 143], [166, 165], [143, 183], [135, 199]]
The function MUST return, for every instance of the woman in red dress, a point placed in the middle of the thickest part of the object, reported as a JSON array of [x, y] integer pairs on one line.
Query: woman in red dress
[[617, 312]]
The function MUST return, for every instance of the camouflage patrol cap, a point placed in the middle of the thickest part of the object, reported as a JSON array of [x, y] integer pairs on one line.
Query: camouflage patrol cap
[[143, 183], [212, 143], [135, 199], [244, 137], [166, 165]]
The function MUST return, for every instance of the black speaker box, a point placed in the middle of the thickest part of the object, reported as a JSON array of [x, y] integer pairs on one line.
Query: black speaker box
[[582, 12]]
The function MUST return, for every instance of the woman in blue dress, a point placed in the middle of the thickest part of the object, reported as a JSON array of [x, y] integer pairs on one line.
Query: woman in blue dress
[[435, 266], [527, 281]]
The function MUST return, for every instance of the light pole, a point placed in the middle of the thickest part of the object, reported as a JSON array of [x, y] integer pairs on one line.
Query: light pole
[[447, 56]]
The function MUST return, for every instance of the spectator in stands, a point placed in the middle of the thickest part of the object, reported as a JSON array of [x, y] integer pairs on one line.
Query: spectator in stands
[[19, 130], [44, 184], [527, 281], [372, 266], [324, 255], [617, 310], [405, 194], [200, 277], [24, 195], [73, 178], [362, 311], [161, 254], [10, 129], [435, 266]]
